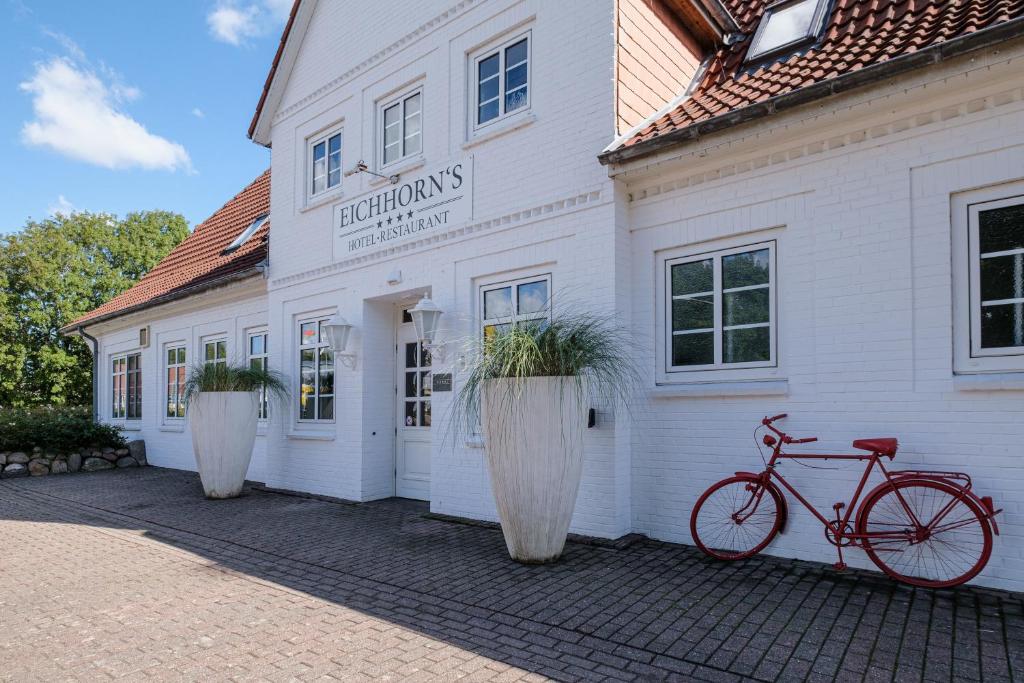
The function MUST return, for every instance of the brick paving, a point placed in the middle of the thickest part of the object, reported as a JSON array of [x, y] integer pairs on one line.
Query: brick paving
[[133, 574]]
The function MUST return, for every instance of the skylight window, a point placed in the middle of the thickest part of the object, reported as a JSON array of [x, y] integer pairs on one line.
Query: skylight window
[[786, 24], [247, 233]]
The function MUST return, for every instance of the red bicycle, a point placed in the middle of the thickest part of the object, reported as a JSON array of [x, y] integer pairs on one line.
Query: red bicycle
[[922, 528]]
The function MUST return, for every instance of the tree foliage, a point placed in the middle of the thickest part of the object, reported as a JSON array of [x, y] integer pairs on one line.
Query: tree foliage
[[52, 272]]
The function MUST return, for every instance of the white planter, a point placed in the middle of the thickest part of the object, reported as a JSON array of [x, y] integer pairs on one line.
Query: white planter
[[223, 434], [534, 443]]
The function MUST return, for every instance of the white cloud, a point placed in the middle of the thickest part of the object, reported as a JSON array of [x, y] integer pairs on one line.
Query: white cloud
[[198, 113], [61, 207], [235, 22], [76, 115]]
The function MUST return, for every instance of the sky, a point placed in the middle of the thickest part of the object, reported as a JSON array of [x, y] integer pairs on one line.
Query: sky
[[119, 106]]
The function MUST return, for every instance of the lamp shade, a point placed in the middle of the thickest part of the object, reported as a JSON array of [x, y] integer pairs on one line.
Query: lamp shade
[[424, 317], [337, 330]]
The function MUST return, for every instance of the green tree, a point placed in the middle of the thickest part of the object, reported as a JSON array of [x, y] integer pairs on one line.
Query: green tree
[[52, 272]]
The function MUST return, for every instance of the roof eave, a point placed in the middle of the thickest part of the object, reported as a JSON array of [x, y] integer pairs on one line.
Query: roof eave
[[298, 21], [840, 84]]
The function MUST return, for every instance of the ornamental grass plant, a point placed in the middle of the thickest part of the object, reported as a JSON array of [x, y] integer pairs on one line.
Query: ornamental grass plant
[[221, 377]]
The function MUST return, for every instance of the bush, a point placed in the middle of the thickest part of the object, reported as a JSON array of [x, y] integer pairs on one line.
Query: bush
[[55, 429]]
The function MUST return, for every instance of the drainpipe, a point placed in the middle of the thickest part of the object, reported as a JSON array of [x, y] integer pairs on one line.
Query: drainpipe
[[95, 370]]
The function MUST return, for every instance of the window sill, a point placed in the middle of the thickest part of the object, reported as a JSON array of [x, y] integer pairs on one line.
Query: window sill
[[398, 168], [311, 436], [172, 428], [329, 197], [498, 129], [774, 387], [995, 381]]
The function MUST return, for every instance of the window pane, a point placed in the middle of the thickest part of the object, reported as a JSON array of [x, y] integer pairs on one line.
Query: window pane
[[410, 414], [334, 161], [307, 379], [326, 371], [746, 345], [425, 413], [411, 360], [327, 408], [515, 99], [533, 297], [425, 386], [256, 344], [498, 303], [181, 355], [693, 349], [222, 350], [695, 277], [410, 385], [424, 357], [1001, 229], [488, 68], [210, 350], [413, 124], [745, 307], [319, 167], [696, 313], [308, 333], [1002, 326], [515, 53], [743, 270], [786, 25], [1002, 277], [172, 354], [488, 111]]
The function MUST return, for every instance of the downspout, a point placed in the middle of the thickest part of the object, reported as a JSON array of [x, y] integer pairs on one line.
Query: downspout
[[95, 371]]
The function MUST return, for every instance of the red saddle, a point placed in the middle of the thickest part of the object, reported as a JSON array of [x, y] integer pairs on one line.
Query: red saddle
[[884, 446]]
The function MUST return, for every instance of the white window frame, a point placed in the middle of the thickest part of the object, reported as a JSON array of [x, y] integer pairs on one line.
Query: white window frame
[[311, 142], [207, 341], [400, 101], [474, 83], [969, 356], [168, 366], [813, 31], [516, 317], [718, 370], [316, 395], [264, 402], [120, 411]]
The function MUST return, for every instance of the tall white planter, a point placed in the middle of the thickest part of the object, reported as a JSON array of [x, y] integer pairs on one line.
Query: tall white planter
[[534, 442], [223, 434]]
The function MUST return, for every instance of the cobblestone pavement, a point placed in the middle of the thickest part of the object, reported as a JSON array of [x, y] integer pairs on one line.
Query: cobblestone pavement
[[133, 574]]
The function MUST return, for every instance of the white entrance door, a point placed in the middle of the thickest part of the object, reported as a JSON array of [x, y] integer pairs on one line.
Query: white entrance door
[[412, 459]]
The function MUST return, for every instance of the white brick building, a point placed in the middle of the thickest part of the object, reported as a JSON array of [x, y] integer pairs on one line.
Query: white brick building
[[860, 196]]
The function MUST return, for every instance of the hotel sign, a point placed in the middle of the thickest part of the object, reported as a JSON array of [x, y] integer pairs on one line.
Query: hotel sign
[[422, 204]]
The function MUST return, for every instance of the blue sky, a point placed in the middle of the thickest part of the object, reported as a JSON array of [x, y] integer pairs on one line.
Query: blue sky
[[128, 105]]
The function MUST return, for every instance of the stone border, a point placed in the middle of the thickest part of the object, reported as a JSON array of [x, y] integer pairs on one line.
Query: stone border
[[38, 463]]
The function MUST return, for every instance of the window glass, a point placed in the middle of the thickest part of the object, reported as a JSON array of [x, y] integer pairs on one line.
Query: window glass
[[126, 384], [498, 303], [325, 155], [489, 85], [259, 360], [319, 167], [784, 25], [413, 125], [392, 133], [316, 373], [533, 297], [334, 160], [1001, 276], [175, 382], [215, 352], [508, 303], [516, 70]]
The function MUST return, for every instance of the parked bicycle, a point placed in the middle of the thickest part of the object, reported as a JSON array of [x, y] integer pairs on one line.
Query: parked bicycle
[[922, 528]]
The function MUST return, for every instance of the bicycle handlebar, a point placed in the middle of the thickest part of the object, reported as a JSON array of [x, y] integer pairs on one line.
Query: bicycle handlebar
[[767, 420]]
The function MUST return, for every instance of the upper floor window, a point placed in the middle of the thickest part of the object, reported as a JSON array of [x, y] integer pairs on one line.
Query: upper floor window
[[259, 355], [176, 369], [501, 80], [316, 372], [786, 24], [517, 301], [126, 383], [996, 246], [402, 128], [325, 162], [721, 309], [244, 236], [215, 351]]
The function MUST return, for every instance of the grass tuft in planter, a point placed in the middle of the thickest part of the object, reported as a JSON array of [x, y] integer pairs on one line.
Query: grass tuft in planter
[[530, 387]]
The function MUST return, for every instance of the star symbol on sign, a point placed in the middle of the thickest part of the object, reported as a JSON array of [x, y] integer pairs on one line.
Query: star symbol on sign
[[410, 214], [380, 224], [389, 220]]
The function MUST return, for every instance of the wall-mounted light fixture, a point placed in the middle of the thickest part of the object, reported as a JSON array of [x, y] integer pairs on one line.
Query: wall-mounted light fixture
[[338, 331], [361, 167], [425, 316]]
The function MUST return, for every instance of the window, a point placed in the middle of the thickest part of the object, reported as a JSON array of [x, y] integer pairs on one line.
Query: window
[[721, 309], [215, 351], [402, 123], [176, 382], [126, 376], [501, 81], [246, 234], [785, 24], [325, 155], [518, 301], [258, 354], [996, 244], [316, 372]]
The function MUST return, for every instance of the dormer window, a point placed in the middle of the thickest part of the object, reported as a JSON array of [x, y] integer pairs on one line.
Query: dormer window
[[246, 234], [785, 25]]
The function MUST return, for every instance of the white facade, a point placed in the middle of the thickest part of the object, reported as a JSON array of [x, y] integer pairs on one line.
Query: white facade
[[856, 197]]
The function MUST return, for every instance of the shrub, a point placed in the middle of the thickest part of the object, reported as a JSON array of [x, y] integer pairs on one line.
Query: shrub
[[55, 429]]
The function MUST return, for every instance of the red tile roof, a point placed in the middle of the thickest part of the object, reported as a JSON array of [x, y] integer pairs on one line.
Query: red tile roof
[[199, 262], [859, 34]]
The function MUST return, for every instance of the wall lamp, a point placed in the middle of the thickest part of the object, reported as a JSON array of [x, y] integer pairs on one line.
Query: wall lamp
[[425, 316], [361, 167], [338, 330]]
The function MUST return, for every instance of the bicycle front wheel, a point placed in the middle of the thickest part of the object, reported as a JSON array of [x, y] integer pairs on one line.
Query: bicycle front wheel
[[952, 544], [736, 518]]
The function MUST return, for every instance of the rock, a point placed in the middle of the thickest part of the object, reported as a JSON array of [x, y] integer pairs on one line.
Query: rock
[[112, 457], [50, 456], [59, 467], [127, 461], [17, 459], [15, 470], [38, 467], [96, 464], [121, 452], [3, 459], [107, 449], [74, 462], [137, 449]]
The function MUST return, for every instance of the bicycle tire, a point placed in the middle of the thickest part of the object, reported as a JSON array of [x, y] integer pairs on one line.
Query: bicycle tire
[[712, 524]]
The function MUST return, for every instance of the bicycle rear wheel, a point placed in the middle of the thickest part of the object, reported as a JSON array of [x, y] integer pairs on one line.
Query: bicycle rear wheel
[[736, 518], [954, 544]]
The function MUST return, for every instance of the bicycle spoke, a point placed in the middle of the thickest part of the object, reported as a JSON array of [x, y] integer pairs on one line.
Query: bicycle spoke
[[732, 521]]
